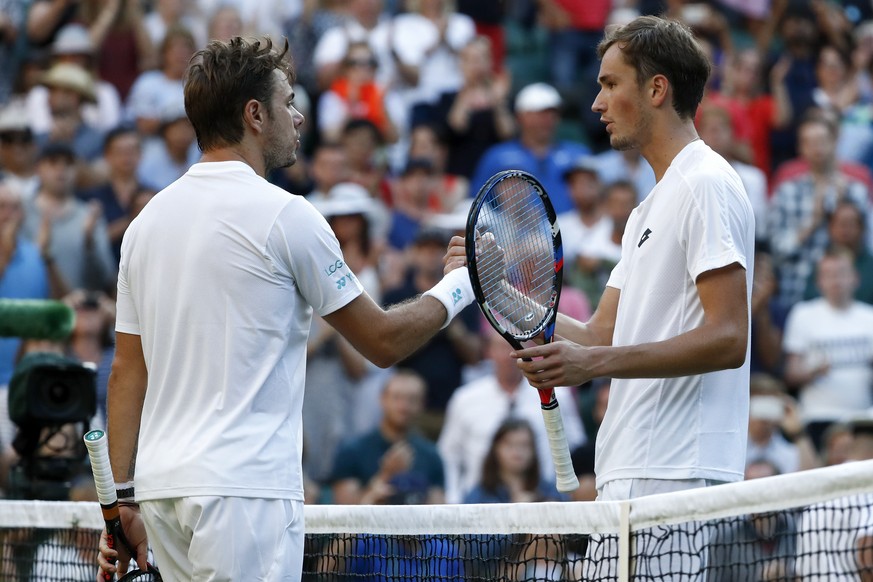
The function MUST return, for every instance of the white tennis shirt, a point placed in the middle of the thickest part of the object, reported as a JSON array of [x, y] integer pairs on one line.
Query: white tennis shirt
[[219, 275], [696, 219]]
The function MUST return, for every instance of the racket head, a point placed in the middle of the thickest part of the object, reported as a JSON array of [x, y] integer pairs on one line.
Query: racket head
[[515, 256]]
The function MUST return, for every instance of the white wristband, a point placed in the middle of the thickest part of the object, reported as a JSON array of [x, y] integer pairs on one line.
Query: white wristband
[[454, 291]]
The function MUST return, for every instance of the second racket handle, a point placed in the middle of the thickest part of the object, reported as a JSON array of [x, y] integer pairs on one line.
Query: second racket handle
[[566, 476], [98, 452]]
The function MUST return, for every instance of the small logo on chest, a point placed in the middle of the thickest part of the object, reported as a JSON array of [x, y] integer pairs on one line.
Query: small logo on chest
[[645, 237]]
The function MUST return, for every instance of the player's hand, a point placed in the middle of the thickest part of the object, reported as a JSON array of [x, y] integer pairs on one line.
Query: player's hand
[[456, 255], [134, 531], [560, 363]]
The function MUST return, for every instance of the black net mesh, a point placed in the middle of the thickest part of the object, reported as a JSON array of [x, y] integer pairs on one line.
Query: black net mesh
[[826, 537], [819, 542]]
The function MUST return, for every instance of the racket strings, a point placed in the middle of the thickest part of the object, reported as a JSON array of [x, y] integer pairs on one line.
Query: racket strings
[[517, 267]]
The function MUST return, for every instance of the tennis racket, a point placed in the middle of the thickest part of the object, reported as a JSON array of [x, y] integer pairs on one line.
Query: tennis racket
[[98, 452], [515, 260]]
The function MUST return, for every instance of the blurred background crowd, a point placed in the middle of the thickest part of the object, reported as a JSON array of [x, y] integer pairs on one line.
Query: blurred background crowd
[[410, 106]]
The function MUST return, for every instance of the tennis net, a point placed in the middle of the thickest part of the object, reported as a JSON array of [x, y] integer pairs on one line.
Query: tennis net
[[815, 525]]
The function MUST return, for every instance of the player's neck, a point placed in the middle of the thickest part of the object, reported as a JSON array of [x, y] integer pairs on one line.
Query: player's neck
[[666, 144], [238, 153]]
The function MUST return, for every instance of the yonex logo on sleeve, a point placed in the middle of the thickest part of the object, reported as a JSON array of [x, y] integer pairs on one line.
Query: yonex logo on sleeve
[[457, 295]]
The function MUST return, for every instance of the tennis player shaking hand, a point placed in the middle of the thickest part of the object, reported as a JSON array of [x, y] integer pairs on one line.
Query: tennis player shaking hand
[[673, 325], [219, 277]]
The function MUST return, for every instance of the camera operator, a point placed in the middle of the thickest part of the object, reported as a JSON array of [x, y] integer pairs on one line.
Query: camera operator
[[52, 400]]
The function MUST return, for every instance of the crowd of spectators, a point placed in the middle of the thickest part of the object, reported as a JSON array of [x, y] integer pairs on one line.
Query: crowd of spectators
[[410, 106]]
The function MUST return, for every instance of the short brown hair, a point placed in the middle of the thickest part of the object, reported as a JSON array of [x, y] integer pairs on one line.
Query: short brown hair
[[657, 46], [222, 78]]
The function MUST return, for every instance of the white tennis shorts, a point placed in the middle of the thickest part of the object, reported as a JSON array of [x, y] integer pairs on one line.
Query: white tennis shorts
[[216, 539]]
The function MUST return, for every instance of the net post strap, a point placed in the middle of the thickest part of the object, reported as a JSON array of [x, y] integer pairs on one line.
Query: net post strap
[[624, 549]]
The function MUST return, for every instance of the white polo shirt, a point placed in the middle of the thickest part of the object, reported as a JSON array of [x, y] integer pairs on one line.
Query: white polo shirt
[[219, 276], [696, 219]]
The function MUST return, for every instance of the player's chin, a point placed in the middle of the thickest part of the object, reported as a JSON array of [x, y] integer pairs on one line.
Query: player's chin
[[622, 143], [285, 161]]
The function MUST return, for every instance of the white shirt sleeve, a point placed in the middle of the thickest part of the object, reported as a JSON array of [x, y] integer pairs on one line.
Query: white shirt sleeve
[[713, 233], [126, 317], [303, 242]]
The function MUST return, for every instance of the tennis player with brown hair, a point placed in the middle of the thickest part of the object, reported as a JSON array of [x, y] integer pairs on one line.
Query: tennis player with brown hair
[[219, 277], [672, 328]]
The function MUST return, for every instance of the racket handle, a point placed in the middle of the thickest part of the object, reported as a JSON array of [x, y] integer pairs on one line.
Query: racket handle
[[566, 477], [98, 453]]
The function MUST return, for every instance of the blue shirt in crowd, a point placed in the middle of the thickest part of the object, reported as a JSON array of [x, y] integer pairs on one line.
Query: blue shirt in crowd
[[549, 170]]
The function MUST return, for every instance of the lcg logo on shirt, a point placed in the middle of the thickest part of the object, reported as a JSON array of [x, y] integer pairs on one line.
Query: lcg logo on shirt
[[329, 271]]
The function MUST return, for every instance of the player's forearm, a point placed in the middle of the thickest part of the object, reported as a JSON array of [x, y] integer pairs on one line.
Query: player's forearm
[[407, 327], [599, 329], [701, 350], [127, 387], [585, 334], [385, 337]]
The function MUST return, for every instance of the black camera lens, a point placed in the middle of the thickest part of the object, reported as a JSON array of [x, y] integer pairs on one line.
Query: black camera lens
[[58, 394]]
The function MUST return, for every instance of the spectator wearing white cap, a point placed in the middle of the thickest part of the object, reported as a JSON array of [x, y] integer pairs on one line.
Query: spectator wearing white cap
[[536, 149], [17, 150], [73, 45]]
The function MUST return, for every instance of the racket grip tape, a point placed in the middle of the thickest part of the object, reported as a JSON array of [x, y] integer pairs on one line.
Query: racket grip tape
[[566, 476], [98, 453]]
